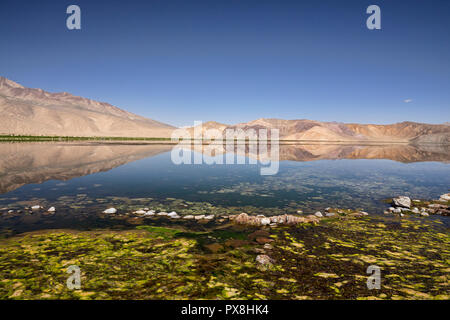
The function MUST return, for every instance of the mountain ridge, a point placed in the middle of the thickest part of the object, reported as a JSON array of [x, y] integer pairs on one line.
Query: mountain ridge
[[37, 112], [29, 111]]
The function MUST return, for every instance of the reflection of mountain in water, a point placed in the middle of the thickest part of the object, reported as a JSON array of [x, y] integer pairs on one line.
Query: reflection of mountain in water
[[25, 163], [401, 153], [321, 151]]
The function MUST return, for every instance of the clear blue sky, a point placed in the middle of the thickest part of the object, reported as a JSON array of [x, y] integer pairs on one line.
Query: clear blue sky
[[238, 60]]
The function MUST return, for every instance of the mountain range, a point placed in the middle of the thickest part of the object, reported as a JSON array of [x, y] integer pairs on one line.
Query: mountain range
[[27, 111]]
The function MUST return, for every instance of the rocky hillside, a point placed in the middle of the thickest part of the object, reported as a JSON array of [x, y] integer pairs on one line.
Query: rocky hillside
[[27, 111], [310, 130]]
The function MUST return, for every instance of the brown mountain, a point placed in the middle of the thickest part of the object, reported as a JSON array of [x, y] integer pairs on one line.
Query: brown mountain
[[310, 130], [27, 111]]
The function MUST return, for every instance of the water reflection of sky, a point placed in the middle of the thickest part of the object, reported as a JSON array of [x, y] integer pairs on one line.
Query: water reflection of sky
[[341, 183]]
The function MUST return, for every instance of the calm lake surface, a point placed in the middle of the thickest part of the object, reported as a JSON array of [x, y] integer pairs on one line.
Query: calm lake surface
[[88, 178]]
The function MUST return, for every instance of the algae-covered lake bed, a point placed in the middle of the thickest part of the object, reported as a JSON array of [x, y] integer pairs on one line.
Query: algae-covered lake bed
[[138, 226], [328, 260]]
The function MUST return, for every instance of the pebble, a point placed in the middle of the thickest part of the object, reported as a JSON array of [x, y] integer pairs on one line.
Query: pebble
[[264, 259], [110, 210]]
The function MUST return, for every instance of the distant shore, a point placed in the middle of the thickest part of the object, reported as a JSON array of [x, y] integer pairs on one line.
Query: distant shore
[[32, 138]]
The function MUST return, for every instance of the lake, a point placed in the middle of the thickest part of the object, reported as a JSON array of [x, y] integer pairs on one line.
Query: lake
[[86, 178], [202, 251]]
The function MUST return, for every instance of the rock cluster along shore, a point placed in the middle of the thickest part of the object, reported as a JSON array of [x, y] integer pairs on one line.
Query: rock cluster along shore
[[404, 205], [285, 219], [400, 205]]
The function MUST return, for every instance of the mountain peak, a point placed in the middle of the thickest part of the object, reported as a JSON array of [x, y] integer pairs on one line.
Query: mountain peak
[[6, 82]]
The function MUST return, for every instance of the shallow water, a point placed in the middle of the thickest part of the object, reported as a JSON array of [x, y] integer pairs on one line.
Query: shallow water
[[91, 177]]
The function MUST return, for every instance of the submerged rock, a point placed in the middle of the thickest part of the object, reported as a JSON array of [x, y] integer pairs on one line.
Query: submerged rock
[[264, 260], [51, 209], [214, 247], [110, 210], [402, 201]]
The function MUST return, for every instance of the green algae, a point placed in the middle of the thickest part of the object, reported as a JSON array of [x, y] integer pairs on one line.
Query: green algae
[[325, 261]]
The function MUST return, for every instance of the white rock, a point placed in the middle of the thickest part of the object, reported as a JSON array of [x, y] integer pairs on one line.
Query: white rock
[[402, 201], [149, 213], [391, 209], [265, 221], [424, 214], [140, 212], [264, 259], [364, 213], [199, 217], [318, 214], [162, 214], [445, 197], [261, 216], [397, 211], [210, 217], [172, 214], [299, 211], [330, 214], [189, 216], [51, 209], [35, 207], [415, 210], [110, 210]]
